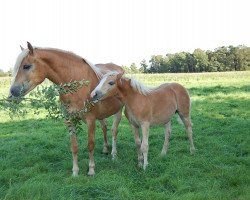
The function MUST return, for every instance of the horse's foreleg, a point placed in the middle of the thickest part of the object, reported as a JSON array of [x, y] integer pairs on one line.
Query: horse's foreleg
[[138, 144], [167, 137], [116, 122], [91, 145], [144, 144], [104, 130], [74, 148]]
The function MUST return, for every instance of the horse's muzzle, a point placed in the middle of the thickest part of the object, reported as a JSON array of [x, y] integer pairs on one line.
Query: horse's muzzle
[[15, 91], [96, 96]]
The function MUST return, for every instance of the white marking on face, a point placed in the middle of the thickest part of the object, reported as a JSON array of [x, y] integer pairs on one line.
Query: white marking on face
[[99, 86], [19, 60]]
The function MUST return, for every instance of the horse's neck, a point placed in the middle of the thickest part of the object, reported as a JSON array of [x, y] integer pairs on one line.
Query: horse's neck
[[129, 96], [63, 67]]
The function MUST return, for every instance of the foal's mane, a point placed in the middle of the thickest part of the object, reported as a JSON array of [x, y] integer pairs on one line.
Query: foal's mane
[[136, 85], [141, 88]]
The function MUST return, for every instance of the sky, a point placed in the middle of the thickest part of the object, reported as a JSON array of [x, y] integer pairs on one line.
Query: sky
[[121, 31]]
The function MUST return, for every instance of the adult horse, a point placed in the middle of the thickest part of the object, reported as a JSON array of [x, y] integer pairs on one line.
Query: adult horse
[[34, 65]]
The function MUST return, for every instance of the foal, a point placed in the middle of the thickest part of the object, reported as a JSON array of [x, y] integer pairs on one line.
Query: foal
[[145, 107]]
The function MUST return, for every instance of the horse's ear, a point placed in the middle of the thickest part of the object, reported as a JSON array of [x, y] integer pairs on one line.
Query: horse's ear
[[21, 48], [119, 75], [30, 48]]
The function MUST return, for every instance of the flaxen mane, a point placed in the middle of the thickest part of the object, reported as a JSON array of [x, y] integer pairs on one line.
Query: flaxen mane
[[141, 88]]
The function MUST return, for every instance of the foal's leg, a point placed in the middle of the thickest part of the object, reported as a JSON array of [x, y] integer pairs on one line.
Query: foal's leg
[[167, 137], [144, 145], [104, 130], [74, 147], [91, 144], [138, 144], [188, 125], [116, 122]]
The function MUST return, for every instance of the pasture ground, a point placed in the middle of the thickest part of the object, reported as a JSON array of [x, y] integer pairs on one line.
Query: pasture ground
[[36, 162]]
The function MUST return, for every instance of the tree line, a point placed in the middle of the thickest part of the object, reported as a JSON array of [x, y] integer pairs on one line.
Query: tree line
[[228, 58], [225, 58]]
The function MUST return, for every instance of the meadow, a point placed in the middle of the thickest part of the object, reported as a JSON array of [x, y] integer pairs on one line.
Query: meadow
[[36, 161]]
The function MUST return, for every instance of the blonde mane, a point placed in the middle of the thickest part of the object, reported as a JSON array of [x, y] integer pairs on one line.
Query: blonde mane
[[141, 88], [136, 85], [97, 71]]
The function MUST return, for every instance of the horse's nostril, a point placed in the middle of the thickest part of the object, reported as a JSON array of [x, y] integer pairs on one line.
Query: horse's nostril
[[96, 96], [15, 91]]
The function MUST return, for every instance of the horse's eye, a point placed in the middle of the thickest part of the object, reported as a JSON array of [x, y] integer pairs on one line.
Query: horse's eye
[[111, 83], [26, 67]]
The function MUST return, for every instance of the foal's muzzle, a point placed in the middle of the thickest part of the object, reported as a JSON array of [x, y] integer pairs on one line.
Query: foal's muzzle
[[96, 96]]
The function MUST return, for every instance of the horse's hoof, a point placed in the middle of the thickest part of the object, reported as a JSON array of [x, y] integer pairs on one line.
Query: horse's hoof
[[75, 171], [105, 150], [91, 172], [163, 153], [192, 150], [139, 165], [75, 174]]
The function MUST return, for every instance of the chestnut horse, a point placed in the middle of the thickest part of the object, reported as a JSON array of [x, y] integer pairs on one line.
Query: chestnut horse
[[34, 65], [147, 106]]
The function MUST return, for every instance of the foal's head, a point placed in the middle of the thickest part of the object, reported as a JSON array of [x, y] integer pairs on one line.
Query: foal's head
[[28, 72], [107, 87]]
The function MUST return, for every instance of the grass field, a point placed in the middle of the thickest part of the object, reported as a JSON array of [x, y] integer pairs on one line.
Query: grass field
[[35, 156]]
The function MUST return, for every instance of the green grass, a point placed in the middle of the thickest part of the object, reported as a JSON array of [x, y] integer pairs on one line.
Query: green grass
[[35, 156]]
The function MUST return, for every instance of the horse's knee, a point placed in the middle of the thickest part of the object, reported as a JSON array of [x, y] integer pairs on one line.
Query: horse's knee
[[91, 146], [74, 149]]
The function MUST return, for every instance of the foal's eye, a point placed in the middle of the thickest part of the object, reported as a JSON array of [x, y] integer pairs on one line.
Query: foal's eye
[[26, 67], [111, 83]]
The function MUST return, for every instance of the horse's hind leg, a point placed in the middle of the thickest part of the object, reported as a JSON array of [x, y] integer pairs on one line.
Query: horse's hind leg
[[138, 144], [188, 125], [74, 147], [105, 138], [167, 137], [144, 144], [117, 119]]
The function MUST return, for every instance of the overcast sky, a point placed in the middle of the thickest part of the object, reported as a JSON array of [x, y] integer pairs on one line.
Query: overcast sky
[[121, 31]]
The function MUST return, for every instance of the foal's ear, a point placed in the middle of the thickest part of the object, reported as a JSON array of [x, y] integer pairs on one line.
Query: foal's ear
[[30, 48], [119, 81], [21, 48], [119, 75]]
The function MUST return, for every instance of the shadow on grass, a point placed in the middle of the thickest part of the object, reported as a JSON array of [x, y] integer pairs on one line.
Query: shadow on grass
[[218, 89]]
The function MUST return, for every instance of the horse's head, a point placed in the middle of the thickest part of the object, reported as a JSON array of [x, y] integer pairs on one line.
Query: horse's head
[[28, 72], [107, 86]]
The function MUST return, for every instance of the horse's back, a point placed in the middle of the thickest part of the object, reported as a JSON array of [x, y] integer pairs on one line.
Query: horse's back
[[105, 68], [172, 95]]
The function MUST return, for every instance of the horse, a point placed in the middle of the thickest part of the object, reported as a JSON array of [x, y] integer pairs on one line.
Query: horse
[[34, 65], [147, 106]]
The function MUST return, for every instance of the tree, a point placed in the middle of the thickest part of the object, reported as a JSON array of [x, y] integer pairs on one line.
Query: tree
[[144, 66], [201, 60]]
